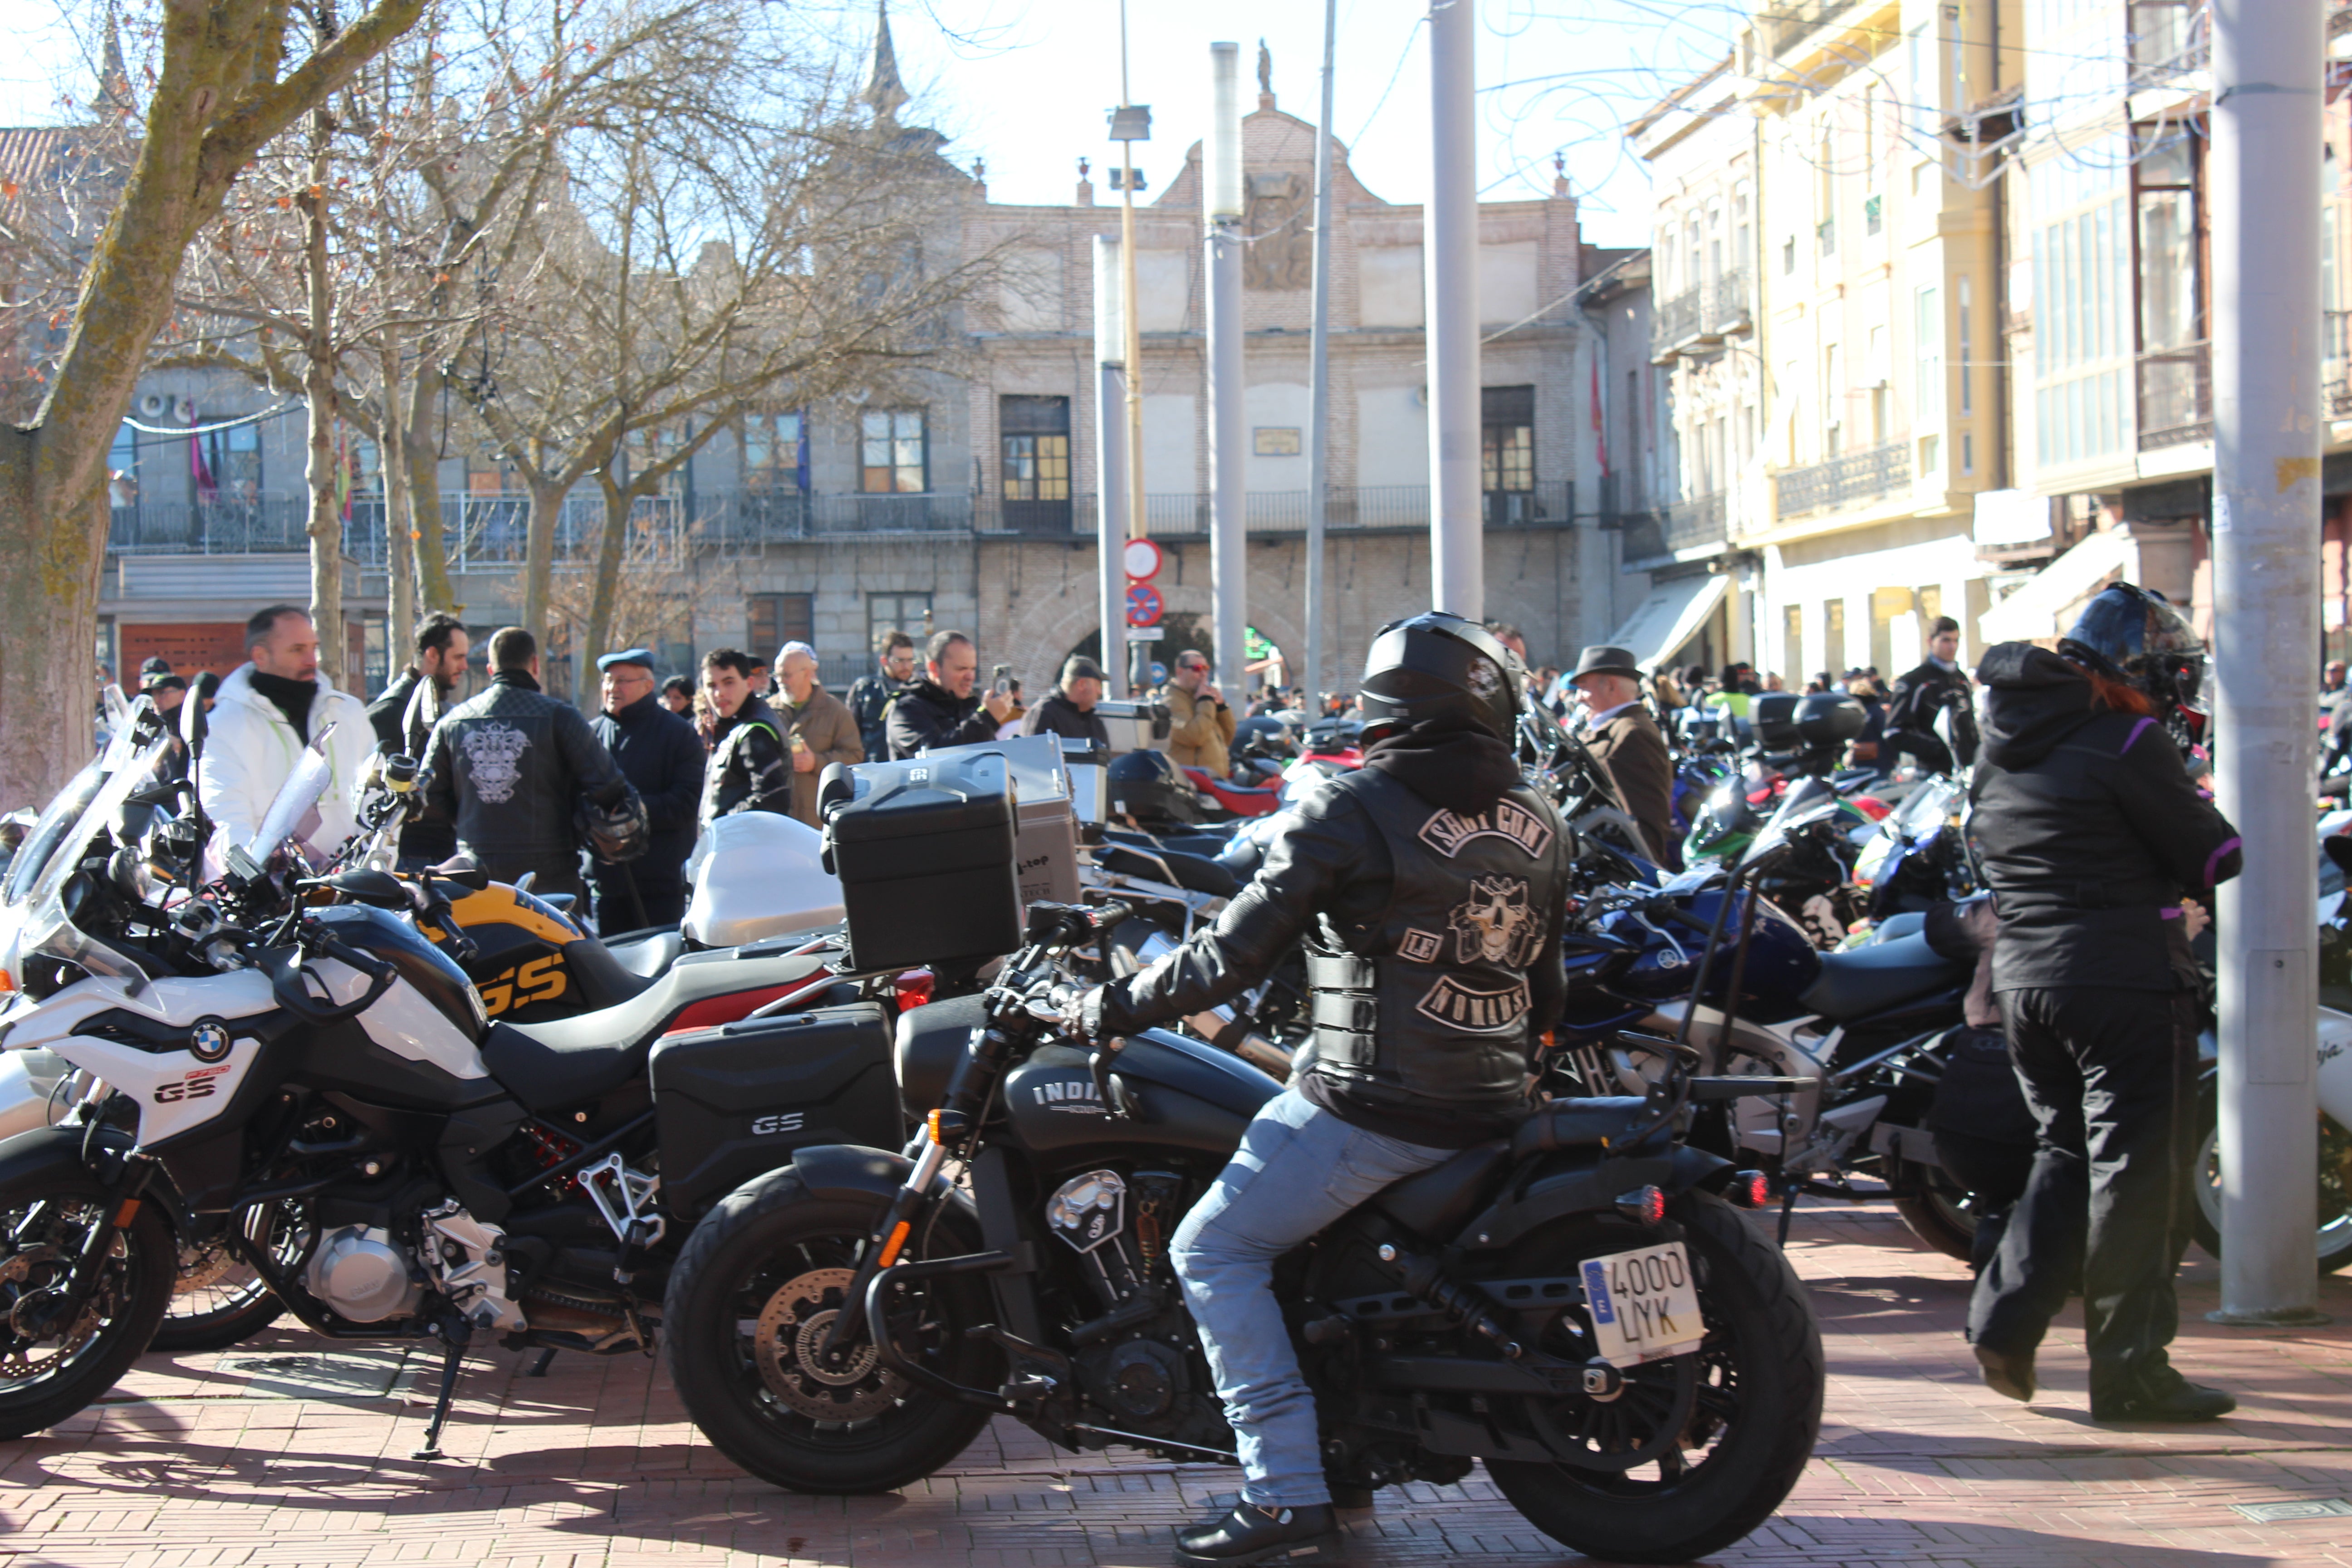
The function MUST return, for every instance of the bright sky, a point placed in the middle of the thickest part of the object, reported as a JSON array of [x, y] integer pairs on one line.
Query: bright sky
[[1025, 84]]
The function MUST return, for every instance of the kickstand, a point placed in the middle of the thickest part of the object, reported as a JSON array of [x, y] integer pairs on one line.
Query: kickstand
[[539, 1367], [452, 1360], [1788, 1210]]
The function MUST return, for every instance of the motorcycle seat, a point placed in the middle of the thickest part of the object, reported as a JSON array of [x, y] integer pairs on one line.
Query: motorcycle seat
[[1439, 1201], [646, 956], [1872, 979], [566, 1061], [603, 980], [1193, 873]]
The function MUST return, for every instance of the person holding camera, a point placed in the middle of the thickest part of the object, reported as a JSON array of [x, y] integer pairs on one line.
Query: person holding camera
[[1201, 731], [941, 709]]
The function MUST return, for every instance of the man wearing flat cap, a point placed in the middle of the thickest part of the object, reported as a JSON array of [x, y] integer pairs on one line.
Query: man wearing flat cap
[[662, 756], [1625, 739], [1068, 711]]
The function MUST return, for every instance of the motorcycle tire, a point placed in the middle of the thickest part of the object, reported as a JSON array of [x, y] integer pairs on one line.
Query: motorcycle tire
[[766, 1253], [2332, 1246], [1937, 1210], [1760, 1379], [218, 1300], [39, 1388]]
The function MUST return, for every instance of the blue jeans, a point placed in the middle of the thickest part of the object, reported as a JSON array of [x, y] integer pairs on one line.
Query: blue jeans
[[1298, 1171]]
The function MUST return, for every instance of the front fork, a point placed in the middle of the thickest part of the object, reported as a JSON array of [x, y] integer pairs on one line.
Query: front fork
[[889, 1237], [125, 1174]]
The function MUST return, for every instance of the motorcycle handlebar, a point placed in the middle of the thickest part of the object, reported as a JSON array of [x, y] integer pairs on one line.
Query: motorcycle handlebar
[[285, 978]]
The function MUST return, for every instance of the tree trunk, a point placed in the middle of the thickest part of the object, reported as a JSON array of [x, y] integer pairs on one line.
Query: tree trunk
[[399, 546], [423, 462], [48, 660], [326, 528], [619, 501], [539, 555]]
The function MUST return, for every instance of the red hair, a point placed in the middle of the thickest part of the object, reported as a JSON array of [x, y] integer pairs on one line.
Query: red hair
[[2108, 692]]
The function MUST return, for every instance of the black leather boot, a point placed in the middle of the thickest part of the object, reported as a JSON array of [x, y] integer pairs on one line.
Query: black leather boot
[[2161, 1394], [1254, 1534]]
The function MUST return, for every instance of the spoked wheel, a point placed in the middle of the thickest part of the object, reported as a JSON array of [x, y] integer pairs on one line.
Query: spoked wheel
[[218, 1300], [55, 1359], [1696, 1450], [750, 1318], [2333, 1244]]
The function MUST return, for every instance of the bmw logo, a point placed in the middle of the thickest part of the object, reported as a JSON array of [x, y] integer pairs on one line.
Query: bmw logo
[[208, 1041]]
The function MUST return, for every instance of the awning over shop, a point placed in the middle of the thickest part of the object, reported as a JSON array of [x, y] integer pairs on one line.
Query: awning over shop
[[2034, 610], [1673, 613]]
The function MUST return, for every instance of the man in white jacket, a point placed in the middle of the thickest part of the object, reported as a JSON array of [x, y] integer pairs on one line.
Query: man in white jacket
[[267, 712]]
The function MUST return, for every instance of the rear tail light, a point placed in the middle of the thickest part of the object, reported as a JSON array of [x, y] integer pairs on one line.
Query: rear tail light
[[1748, 1189], [1644, 1205], [913, 987]]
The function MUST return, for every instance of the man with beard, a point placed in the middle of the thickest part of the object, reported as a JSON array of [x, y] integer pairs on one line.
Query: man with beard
[[268, 710], [402, 725]]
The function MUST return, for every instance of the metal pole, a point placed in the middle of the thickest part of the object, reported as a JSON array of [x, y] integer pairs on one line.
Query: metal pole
[[1450, 241], [2267, 423], [1318, 380], [1221, 207], [1111, 450], [1138, 673]]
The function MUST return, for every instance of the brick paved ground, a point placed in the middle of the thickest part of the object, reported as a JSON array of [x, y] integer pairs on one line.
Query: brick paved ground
[[596, 1467]]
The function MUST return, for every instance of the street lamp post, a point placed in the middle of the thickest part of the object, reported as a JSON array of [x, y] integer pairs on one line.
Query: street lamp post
[[1110, 446], [1221, 213], [1450, 240]]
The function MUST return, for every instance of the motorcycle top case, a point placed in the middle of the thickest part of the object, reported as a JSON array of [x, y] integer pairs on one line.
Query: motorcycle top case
[[924, 852], [734, 1103]]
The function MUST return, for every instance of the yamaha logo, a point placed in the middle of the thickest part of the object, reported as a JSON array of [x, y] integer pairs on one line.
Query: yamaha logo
[[208, 1040]]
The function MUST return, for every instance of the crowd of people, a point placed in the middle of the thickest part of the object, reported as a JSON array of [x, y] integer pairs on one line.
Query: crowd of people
[[527, 785]]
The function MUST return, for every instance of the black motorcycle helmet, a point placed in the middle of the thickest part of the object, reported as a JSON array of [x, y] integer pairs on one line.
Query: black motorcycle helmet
[[1152, 789], [1439, 666], [2132, 634]]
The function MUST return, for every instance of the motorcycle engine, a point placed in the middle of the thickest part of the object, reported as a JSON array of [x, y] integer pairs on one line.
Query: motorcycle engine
[[1140, 1363], [363, 1274]]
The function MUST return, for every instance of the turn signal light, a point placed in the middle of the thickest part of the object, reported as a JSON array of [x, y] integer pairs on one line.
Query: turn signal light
[[1644, 1205], [1748, 1189], [913, 987]]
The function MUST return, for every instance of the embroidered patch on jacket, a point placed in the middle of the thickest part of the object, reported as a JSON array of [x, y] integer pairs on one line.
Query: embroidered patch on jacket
[[1496, 924], [495, 752], [1420, 946], [1448, 831], [1458, 1007]]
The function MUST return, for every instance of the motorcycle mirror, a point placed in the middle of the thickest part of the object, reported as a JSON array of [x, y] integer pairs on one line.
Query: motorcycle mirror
[[380, 889], [2339, 848], [193, 723]]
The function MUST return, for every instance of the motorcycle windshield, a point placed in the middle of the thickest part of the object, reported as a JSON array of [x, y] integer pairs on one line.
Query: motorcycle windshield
[[295, 797], [50, 831], [49, 929], [1807, 800]]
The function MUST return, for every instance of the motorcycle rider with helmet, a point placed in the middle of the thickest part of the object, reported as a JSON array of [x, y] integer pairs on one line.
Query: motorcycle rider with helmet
[[1428, 887], [2093, 836]]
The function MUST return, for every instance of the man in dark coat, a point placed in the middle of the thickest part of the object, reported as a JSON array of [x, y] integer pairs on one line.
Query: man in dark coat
[[441, 646], [1068, 711], [1625, 739], [871, 693], [1938, 683], [511, 768], [942, 709], [751, 767], [662, 756]]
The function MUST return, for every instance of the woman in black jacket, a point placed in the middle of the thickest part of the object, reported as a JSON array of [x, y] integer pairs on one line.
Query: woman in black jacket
[[2093, 836]]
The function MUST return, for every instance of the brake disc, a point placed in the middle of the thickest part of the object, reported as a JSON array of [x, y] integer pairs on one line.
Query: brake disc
[[787, 1343]]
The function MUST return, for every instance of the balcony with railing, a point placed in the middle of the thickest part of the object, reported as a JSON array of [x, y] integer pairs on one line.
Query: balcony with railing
[[1783, 26], [2170, 45], [2336, 364], [1697, 523], [1729, 309], [1871, 474], [1675, 324], [2176, 396]]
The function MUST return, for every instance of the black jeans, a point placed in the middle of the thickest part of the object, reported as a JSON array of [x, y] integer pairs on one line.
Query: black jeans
[[659, 900], [2108, 1074]]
